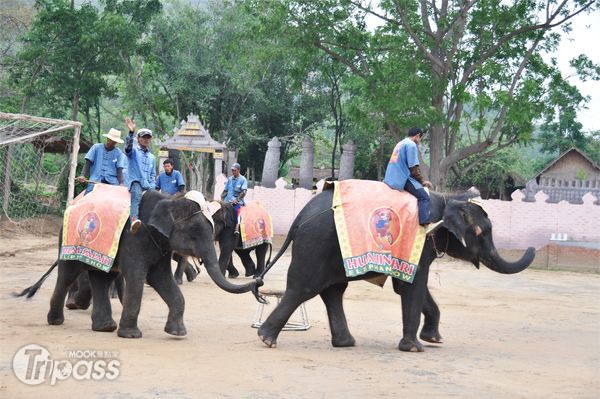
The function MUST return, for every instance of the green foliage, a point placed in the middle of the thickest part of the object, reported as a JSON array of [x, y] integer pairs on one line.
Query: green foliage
[[255, 69]]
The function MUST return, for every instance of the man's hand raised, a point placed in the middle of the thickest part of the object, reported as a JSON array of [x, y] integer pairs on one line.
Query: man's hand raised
[[130, 124]]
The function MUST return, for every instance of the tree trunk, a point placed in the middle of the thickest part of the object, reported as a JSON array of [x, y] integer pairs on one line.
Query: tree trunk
[[75, 106]]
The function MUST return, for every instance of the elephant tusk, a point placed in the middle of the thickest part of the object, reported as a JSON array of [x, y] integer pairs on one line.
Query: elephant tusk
[[462, 240]]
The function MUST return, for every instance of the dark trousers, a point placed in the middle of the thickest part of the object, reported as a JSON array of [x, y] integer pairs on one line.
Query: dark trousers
[[236, 212], [422, 201]]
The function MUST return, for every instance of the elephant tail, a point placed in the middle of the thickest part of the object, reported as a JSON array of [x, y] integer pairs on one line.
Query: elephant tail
[[30, 291], [286, 244]]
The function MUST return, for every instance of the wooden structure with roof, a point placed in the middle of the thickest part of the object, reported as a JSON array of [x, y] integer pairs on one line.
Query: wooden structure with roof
[[569, 177], [191, 145]]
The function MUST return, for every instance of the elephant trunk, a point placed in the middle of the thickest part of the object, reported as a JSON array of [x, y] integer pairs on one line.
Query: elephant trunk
[[494, 261], [213, 270]]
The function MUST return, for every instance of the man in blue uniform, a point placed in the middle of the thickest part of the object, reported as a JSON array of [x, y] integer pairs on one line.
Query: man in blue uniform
[[403, 173], [104, 162], [170, 181], [235, 190], [141, 171]]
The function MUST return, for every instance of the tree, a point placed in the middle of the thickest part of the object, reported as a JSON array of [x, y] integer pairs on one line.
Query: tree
[[465, 68], [70, 52]]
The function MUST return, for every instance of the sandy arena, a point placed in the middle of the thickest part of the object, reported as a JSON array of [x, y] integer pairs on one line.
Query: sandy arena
[[530, 335]]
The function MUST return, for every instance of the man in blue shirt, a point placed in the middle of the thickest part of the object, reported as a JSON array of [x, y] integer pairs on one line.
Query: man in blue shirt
[[403, 173], [235, 191], [104, 162], [170, 181], [141, 171]]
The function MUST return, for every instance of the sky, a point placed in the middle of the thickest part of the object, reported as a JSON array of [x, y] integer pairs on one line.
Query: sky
[[583, 40]]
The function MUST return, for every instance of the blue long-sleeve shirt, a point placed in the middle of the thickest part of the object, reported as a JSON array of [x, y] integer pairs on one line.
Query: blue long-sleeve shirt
[[142, 165]]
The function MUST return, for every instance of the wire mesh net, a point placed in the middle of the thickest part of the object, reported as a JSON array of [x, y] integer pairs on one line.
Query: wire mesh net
[[34, 169]]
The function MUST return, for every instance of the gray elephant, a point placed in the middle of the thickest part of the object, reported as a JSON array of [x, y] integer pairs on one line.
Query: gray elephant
[[169, 225], [229, 242], [316, 267]]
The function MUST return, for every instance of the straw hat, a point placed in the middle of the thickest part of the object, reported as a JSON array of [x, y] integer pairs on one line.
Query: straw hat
[[114, 135]]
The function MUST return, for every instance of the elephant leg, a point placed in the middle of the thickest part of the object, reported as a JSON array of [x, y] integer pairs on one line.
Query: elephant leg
[[333, 298], [81, 297], [247, 261], [159, 277], [430, 331], [135, 277], [261, 256], [181, 263], [119, 285], [413, 297], [190, 272], [101, 311], [68, 271], [232, 272], [291, 300]]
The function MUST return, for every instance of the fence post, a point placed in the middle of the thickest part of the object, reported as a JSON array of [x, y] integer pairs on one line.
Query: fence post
[[73, 164]]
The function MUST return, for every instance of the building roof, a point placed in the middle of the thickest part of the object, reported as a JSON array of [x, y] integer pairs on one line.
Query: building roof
[[191, 136], [59, 145], [573, 149]]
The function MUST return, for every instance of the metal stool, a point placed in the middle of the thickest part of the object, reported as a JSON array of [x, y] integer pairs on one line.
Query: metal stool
[[302, 325]]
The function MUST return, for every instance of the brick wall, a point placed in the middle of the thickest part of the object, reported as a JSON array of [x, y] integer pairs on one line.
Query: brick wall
[[516, 224]]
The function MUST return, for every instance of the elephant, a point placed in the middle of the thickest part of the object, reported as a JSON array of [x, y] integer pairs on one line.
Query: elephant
[[169, 225], [229, 242], [316, 267]]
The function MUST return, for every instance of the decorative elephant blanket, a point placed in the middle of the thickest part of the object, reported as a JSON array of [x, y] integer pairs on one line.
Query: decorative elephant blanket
[[255, 225], [378, 229], [92, 226]]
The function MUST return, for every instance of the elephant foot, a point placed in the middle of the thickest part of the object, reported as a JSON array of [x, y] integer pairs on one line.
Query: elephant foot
[[72, 304], [177, 329], [190, 274], [179, 280], [271, 342], [250, 273], [104, 326], [55, 320], [431, 336], [234, 275], [343, 342], [132, 332], [410, 345]]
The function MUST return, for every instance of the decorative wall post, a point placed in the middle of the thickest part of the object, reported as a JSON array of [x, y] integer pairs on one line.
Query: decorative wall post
[[218, 157], [347, 161], [531, 189], [271, 166], [306, 164], [231, 159]]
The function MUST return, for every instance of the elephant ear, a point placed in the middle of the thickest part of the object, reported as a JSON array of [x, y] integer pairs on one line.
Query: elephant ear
[[455, 220], [161, 219]]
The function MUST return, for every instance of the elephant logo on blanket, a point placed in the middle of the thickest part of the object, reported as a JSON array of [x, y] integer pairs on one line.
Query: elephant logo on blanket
[[385, 228], [88, 228]]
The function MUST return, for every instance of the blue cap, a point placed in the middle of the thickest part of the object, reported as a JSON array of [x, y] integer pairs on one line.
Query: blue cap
[[236, 166]]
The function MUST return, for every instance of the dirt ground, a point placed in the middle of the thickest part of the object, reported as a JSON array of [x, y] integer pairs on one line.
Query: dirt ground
[[535, 334]]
